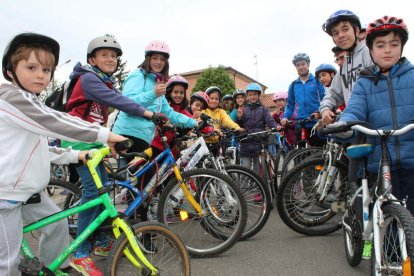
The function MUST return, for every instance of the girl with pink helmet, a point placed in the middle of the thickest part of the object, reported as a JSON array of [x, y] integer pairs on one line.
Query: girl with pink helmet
[[279, 99]]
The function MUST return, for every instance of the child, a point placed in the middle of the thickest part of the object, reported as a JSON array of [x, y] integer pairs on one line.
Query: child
[[198, 102], [383, 96], [254, 117], [218, 115], [91, 98], [239, 97], [25, 123], [344, 27], [227, 103], [279, 99], [325, 74], [146, 86]]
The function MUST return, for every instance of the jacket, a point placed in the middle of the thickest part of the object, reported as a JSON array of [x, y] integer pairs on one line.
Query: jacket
[[139, 87], [255, 118], [289, 131], [220, 119], [386, 102], [25, 124], [304, 99], [96, 95], [342, 84]]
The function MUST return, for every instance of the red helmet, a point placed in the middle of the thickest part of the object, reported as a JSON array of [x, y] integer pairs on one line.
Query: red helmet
[[202, 96], [159, 47], [387, 23]]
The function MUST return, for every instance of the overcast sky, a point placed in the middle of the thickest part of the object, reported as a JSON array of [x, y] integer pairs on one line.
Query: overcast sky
[[199, 33]]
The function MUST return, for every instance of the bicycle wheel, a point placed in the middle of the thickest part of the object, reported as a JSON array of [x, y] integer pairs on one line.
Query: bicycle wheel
[[396, 240], [280, 157], [162, 248], [352, 228], [296, 156], [256, 195], [224, 212], [299, 204], [59, 172], [66, 195]]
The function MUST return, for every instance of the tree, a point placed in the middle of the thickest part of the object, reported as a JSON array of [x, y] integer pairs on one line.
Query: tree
[[120, 74], [215, 77]]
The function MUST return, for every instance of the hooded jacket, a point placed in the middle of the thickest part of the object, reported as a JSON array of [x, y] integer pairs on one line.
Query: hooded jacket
[[139, 87], [220, 119], [255, 118], [342, 84], [386, 102], [25, 124]]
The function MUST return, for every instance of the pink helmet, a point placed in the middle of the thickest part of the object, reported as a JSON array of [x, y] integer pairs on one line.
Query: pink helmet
[[202, 96], [280, 95], [177, 79], [157, 46]]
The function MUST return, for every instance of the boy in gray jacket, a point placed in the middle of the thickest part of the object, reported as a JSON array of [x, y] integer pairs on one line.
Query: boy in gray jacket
[[25, 123]]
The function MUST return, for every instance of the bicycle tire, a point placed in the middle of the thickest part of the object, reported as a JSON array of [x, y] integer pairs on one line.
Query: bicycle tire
[[66, 195], [354, 244], [400, 220], [223, 221], [296, 156], [298, 204], [280, 157], [256, 195], [164, 250]]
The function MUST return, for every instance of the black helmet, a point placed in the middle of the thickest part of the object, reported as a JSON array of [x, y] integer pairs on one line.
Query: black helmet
[[27, 39]]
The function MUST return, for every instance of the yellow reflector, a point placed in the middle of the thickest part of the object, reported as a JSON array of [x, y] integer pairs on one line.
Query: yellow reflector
[[407, 266], [319, 167], [183, 215]]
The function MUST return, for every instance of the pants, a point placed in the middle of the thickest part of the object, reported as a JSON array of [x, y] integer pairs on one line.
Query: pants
[[11, 235], [402, 180], [89, 192], [253, 163], [55, 237]]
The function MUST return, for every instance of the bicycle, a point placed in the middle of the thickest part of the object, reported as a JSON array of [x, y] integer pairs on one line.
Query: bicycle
[[312, 195], [374, 214], [184, 189], [144, 245]]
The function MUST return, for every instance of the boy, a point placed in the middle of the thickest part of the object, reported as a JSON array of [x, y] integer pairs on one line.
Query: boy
[[384, 97], [325, 74], [25, 123]]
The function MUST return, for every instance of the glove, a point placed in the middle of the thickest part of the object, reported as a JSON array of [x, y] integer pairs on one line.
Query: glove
[[159, 118], [341, 135], [201, 125]]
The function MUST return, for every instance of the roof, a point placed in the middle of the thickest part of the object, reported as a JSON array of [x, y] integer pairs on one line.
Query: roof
[[228, 69], [266, 100]]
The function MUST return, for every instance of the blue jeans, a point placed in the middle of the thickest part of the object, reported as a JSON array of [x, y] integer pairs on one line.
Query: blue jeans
[[89, 192]]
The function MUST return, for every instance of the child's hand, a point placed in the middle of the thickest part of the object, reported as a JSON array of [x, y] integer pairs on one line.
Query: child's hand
[[82, 156], [160, 88], [240, 112], [113, 139], [197, 114]]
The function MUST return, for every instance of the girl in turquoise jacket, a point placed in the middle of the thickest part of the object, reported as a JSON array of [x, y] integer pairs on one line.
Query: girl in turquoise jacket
[[146, 86]]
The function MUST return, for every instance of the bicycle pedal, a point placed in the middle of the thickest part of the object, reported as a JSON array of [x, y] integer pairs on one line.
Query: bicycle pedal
[[338, 206], [32, 266]]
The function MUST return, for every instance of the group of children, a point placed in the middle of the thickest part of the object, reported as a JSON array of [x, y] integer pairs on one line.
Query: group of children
[[382, 96]]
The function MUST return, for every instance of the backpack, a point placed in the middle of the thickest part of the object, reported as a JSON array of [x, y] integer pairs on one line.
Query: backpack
[[61, 95]]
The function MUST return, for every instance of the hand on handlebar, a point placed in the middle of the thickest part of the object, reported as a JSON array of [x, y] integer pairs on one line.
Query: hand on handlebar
[[327, 117], [159, 118], [113, 139]]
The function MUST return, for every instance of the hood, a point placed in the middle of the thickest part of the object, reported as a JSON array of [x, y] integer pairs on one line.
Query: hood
[[398, 69], [79, 70]]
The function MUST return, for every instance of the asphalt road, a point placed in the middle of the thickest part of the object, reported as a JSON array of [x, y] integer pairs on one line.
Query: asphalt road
[[277, 250]]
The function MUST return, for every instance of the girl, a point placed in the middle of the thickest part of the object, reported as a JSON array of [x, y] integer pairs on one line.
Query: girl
[[219, 116], [198, 102], [146, 86], [239, 97], [279, 99]]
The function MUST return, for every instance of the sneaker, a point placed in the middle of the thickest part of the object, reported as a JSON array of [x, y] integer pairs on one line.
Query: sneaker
[[102, 250], [366, 254], [85, 266]]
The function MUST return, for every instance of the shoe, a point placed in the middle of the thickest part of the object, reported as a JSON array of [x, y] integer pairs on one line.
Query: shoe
[[366, 254], [102, 250], [85, 266]]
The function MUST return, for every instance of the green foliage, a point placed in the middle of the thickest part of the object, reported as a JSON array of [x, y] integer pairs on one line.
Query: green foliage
[[121, 74], [215, 77]]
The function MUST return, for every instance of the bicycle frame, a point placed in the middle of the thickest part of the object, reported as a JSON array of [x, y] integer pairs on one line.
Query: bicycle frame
[[109, 212]]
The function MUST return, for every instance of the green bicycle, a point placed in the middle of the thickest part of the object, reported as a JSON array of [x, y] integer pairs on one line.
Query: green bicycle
[[148, 248]]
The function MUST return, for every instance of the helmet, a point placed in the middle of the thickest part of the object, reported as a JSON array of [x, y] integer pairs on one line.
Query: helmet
[[324, 67], [387, 23], [28, 39], [104, 41], [176, 79], [238, 92], [227, 97], [341, 15], [253, 86], [202, 96], [280, 95], [212, 89], [157, 46], [299, 57]]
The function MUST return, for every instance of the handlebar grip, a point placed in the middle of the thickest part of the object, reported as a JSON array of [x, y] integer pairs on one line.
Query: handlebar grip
[[124, 145], [325, 130]]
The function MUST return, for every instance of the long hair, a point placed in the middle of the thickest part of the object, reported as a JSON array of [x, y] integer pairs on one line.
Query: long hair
[[145, 65]]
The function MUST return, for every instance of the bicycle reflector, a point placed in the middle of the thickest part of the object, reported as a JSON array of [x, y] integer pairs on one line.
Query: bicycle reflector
[[407, 266], [319, 167], [183, 215]]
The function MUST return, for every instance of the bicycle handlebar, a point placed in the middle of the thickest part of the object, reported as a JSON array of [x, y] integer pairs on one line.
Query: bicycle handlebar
[[366, 128]]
